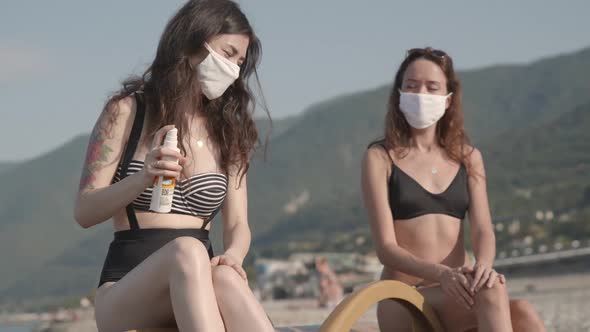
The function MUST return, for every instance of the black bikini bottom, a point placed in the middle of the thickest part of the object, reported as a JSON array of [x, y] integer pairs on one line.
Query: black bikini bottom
[[131, 247]]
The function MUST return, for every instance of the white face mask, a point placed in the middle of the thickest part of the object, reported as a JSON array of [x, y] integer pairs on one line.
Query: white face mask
[[422, 110], [216, 74]]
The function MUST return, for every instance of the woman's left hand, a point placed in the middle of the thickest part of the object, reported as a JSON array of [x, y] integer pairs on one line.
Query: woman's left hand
[[481, 275], [228, 260]]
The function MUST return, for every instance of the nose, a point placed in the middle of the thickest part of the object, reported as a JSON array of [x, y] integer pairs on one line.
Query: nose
[[422, 88]]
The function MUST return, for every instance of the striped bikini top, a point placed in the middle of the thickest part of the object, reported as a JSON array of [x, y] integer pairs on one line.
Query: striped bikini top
[[201, 195]]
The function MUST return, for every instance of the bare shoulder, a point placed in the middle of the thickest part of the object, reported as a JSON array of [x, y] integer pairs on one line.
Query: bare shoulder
[[473, 156], [376, 155], [125, 106], [118, 113], [474, 164], [115, 121], [376, 163]]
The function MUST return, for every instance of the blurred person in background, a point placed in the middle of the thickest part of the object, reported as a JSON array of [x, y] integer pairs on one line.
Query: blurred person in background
[[330, 287]]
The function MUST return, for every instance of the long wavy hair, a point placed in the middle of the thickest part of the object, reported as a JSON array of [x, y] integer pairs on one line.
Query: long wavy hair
[[450, 131], [171, 89]]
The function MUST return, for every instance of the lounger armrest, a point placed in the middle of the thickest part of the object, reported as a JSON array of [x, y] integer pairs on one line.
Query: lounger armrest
[[356, 304]]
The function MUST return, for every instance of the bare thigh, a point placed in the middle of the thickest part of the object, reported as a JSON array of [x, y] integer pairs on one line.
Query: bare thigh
[[392, 316], [142, 299]]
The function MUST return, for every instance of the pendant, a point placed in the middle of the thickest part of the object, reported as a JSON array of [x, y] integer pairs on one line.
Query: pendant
[[200, 143], [434, 170]]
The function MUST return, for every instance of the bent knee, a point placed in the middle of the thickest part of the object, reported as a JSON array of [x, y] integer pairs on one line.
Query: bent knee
[[226, 277], [228, 285], [496, 295], [189, 255]]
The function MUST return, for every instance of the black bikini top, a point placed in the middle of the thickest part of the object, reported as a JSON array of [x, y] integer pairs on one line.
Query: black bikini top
[[408, 199]]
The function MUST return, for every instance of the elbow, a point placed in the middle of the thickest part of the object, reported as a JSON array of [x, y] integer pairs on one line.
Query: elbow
[[246, 234], [239, 230], [384, 253], [80, 217], [85, 226]]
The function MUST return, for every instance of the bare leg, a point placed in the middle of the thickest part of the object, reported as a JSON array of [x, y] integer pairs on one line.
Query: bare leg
[[239, 308], [491, 312], [392, 317], [172, 284], [493, 309], [454, 317], [524, 317]]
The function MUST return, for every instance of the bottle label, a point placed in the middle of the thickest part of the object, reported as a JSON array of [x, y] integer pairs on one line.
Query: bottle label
[[167, 191], [168, 182], [165, 200]]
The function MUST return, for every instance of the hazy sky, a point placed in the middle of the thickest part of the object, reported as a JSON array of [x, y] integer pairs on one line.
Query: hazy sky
[[60, 59]]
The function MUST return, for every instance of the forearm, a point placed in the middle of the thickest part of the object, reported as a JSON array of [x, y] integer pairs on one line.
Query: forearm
[[399, 259], [236, 241], [484, 246], [95, 206]]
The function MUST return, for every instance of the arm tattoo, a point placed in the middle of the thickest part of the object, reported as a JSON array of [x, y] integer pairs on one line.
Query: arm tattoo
[[96, 155]]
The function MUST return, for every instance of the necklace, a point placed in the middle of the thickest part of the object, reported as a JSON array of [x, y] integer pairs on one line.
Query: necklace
[[201, 140], [200, 143], [433, 169]]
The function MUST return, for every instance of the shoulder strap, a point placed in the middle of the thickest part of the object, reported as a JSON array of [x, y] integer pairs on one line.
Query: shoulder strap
[[382, 145], [130, 151]]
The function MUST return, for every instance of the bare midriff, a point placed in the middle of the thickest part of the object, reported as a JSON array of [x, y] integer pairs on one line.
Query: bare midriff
[[148, 219], [435, 238]]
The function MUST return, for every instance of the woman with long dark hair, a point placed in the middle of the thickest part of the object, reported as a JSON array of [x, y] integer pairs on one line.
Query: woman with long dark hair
[[160, 269], [419, 183]]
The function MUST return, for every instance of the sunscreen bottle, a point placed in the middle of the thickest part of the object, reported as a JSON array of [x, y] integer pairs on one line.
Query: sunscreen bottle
[[163, 191]]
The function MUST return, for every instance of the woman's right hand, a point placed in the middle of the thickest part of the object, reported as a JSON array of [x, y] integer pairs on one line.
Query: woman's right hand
[[454, 284], [158, 160]]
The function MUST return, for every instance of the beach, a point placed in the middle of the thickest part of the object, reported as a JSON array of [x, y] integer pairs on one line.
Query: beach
[[562, 302]]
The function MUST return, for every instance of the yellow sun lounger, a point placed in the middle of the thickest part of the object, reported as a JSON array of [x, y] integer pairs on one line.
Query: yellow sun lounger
[[345, 315]]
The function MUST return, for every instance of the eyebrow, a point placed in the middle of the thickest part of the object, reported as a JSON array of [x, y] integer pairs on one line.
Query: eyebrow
[[428, 82]]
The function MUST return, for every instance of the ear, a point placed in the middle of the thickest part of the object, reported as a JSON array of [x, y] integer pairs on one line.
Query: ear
[[448, 103]]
